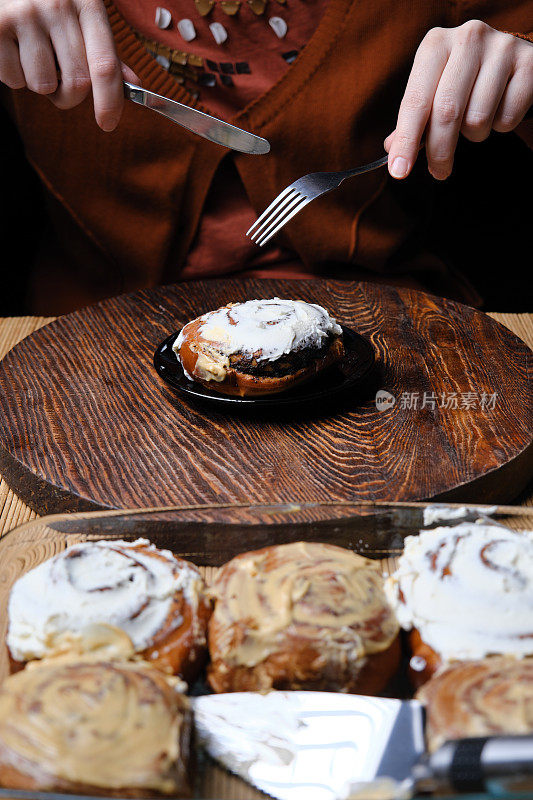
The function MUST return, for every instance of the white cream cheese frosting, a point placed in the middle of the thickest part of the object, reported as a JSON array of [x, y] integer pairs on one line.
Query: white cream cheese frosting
[[266, 329], [468, 590], [112, 582], [439, 512]]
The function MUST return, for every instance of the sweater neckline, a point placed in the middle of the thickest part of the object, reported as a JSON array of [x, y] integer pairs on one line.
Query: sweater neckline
[[257, 113]]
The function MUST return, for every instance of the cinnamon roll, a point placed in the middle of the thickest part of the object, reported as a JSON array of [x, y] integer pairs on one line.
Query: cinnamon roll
[[102, 728], [465, 592], [259, 347], [158, 600], [479, 698], [301, 616]]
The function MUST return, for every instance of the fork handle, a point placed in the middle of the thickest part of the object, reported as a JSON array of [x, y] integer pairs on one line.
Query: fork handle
[[374, 164], [366, 168]]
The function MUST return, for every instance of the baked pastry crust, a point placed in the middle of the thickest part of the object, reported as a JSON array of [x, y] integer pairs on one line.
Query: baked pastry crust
[[178, 644], [424, 661], [205, 357], [479, 698], [301, 616], [240, 384], [119, 729]]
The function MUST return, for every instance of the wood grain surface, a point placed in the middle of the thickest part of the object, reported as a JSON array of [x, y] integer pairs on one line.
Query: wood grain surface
[[14, 512], [85, 422]]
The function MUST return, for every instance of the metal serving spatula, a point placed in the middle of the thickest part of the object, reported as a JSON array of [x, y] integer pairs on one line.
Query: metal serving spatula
[[326, 746], [196, 121]]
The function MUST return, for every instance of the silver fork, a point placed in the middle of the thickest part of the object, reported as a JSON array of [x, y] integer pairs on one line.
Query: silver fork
[[296, 196]]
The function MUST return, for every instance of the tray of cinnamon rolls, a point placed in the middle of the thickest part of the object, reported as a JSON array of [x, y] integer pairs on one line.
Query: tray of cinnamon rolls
[[114, 624]]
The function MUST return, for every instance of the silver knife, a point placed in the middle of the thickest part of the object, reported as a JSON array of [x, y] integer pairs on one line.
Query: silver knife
[[196, 121], [327, 746]]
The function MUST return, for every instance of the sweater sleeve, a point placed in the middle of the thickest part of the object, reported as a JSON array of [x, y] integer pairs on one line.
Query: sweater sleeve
[[528, 37], [503, 15]]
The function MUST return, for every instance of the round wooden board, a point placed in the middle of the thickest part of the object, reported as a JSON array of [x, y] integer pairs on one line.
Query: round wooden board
[[86, 422]]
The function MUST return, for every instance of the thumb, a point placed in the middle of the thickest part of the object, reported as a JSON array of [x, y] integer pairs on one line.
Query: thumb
[[129, 75]]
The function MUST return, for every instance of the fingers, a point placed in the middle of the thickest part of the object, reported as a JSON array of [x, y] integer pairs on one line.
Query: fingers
[[469, 79], [75, 83], [37, 59], [41, 39], [11, 72], [415, 108], [516, 101], [483, 102], [104, 65], [449, 104]]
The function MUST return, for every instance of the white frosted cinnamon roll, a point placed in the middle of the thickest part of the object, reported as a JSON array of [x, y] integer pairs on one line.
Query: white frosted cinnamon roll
[[466, 592], [259, 347], [479, 698], [158, 600], [301, 616], [105, 728]]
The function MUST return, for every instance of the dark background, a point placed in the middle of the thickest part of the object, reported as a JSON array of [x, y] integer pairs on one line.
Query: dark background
[[479, 220]]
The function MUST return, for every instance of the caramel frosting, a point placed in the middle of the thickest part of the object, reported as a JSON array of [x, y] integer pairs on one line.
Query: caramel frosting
[[100, 724], [467, 590], [479, 698], [264, 329], [128, 585], [318, 592], [98, 641]]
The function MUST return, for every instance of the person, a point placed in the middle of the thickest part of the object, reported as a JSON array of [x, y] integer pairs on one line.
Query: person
[[133, 200]]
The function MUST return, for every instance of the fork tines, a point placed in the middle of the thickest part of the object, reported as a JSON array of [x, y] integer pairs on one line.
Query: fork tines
[[288, 203]]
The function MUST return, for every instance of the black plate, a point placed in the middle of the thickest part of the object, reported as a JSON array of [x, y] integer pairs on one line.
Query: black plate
[[352, 371]]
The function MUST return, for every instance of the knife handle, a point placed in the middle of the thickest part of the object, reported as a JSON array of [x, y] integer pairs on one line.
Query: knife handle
[[476, 765], [132, 92]]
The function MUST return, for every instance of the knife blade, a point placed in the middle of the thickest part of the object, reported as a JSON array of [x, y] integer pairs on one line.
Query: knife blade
[[327, 746], [196, 121], [373, 529]]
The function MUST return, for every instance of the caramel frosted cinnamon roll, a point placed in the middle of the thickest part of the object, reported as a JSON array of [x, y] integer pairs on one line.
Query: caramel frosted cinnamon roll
[[467, 592], [479, 698], [301, 616], [259, 347], [112, 728], [157, 599]]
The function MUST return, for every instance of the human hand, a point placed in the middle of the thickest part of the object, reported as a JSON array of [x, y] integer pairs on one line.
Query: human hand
[[62, 49], [470, 80]]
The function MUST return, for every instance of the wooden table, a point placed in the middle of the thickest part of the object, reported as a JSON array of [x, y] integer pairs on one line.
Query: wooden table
[[13, 512]]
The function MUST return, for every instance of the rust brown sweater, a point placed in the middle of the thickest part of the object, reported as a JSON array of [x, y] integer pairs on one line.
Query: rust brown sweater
[[126, 205]]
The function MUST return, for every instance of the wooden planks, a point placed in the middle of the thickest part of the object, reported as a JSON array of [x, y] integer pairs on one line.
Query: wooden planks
[[13, 511], [126, 440]]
